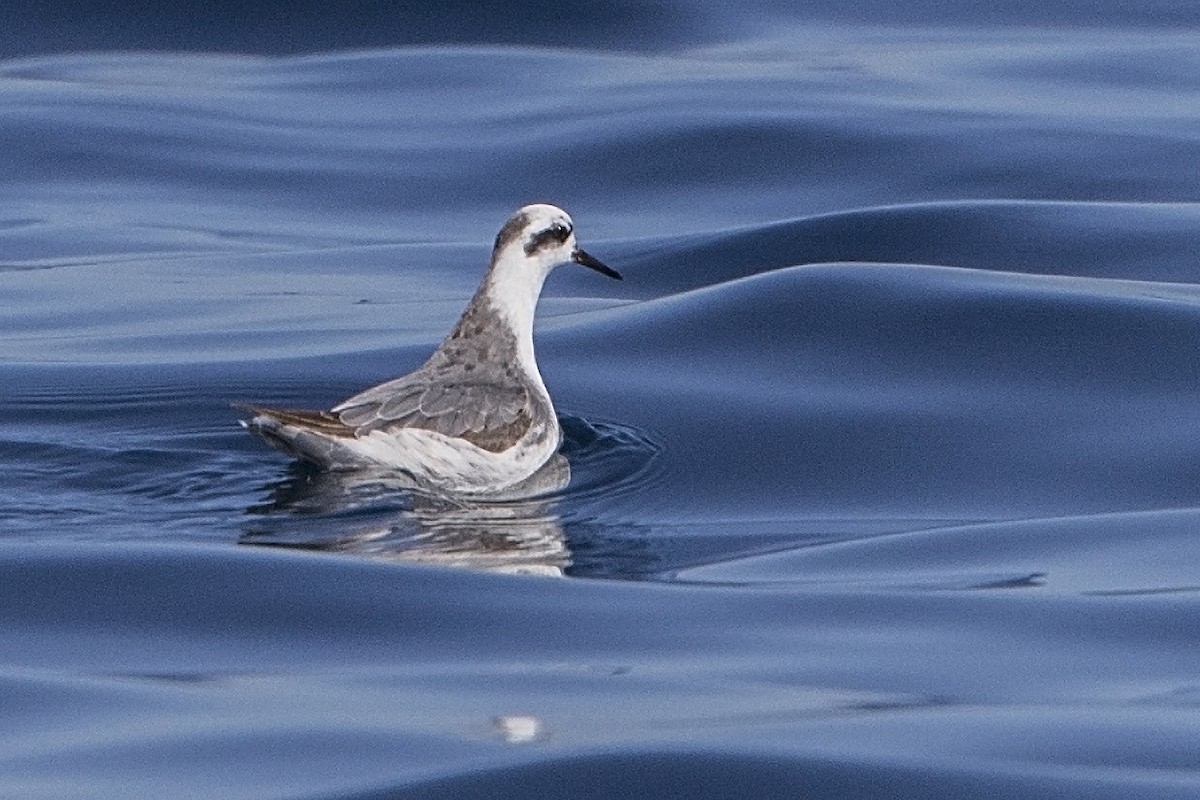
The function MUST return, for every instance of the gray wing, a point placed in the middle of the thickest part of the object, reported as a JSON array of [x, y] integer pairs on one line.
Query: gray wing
[[486, 404]]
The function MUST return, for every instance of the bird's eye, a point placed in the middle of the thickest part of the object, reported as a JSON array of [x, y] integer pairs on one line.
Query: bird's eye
[[557, 233]]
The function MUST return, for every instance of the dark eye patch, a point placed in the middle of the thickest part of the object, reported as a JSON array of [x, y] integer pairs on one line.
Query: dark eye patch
[[555, 234]]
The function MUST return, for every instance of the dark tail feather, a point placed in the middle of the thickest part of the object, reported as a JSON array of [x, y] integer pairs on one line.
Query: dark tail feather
[[315, 421]]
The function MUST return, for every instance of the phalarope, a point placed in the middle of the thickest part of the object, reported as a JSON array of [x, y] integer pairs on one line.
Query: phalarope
[[476, 416]]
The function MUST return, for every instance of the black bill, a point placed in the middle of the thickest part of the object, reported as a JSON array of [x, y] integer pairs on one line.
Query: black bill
[[580, 257]]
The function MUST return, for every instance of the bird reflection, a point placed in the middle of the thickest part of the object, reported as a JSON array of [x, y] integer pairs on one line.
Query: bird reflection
[[383, 515]]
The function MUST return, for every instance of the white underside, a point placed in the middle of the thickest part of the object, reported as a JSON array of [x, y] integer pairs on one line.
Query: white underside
[[432, 459]]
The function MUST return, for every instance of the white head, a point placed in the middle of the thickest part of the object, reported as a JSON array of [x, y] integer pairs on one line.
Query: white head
[[531, 244], [537, 239]]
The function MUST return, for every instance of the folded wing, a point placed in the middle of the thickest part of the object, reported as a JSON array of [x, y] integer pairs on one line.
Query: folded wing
[[490, 408]]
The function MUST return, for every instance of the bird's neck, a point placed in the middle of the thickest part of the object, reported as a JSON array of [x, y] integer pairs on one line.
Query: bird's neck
[[509, 294]]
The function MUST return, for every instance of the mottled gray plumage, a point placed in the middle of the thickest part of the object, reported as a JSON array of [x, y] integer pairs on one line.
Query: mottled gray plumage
[[475, 417], [510, 232], [472, 387]]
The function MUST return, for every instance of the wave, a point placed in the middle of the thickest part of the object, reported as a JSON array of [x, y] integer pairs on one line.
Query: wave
[[901, 390], [301, 27], [160, 153], [1137, 241], [699, 773], [795, 690], [1103, 555]]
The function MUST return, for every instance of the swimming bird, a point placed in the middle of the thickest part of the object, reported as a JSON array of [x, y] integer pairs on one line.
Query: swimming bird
[[476, 416]]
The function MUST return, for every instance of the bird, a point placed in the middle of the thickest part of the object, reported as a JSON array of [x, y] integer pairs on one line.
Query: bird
[[476, 417]]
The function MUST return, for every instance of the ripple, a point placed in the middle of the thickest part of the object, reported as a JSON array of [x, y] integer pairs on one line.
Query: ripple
[[382, 515], [608, 459]]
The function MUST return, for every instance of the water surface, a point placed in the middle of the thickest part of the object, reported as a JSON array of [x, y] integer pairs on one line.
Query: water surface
[[883, 456]]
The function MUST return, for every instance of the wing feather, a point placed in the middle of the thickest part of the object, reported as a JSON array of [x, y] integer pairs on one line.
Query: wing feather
[[489, 407]]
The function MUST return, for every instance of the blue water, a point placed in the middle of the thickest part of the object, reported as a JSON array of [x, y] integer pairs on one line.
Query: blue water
[[885, 455]]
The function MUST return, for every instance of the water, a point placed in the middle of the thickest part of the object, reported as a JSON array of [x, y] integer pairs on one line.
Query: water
[[883, 456]]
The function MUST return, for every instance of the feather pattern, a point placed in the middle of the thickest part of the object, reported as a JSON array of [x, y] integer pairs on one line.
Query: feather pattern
[[476, 416], [472, 387]]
